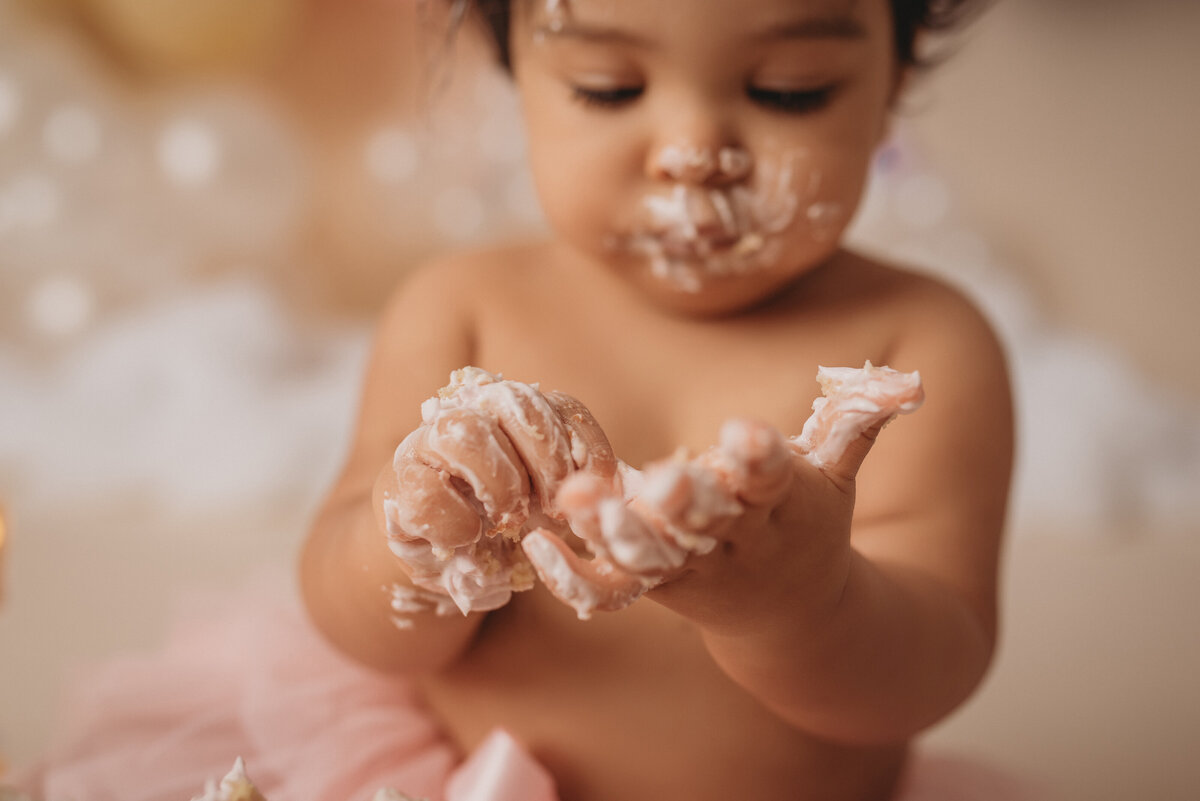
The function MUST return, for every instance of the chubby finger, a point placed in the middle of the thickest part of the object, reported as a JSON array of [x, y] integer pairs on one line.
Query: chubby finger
[[613, 531], [855, 405], [480, 578], [753, 460], [687, 501], [424, 504], [536, 431], [591, 451], [470, 446], [586, 586]]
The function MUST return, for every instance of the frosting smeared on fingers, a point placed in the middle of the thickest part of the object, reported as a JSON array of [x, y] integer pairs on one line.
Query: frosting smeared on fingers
[[426, 505], [753, 460], [482, 469], [590, 449], [478, 578], [531, 423], [854, 401], [614, 532], [484, 485], [469, 445], [688, 501], [586, 586]]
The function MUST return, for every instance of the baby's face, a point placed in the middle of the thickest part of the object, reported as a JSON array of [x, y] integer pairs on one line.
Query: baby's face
[[709, 150]]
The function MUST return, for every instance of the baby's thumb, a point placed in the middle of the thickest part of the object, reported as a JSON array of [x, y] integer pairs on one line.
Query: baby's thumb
[[843, 467], [847, 420]]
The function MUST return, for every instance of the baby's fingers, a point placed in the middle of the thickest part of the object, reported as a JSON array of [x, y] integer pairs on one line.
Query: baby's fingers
[[536, 432], [613, 531], [590, 448], [688, 501], [422, 503], [471, 447], [857, 403], [585, 586], [754, 461]]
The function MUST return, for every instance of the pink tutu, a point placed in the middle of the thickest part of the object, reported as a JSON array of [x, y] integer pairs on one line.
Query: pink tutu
[[251, 678]]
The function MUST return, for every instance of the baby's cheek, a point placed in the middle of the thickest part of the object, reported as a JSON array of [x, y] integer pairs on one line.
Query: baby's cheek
[[829, 198], [579, 210]]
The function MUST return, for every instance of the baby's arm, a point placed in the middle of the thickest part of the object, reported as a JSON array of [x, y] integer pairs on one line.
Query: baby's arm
[[881, 630], [348, 574]]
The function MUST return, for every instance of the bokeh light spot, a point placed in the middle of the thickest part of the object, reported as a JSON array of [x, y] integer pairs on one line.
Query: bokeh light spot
[[189, 153], [391, 156], [60, 306]]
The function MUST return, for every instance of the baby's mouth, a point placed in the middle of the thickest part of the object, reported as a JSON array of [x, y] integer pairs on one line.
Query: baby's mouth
[[692, 245]]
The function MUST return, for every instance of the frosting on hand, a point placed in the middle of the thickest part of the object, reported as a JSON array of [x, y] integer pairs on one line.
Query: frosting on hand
[[499, 472]]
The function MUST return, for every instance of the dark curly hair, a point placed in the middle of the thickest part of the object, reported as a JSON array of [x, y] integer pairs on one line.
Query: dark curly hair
[[910, 18]]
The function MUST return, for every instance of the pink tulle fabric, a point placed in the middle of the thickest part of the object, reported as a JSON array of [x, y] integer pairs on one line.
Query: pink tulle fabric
[[248, 676]]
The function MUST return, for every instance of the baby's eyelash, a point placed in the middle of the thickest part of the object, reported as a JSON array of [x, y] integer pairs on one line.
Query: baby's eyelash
[[791, 101], [606, 98]]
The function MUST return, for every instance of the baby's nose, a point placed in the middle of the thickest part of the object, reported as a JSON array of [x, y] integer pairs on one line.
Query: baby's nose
[[690, 164]]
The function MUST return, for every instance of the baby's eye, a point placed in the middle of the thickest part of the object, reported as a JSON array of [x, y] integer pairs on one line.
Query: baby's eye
[[606, 98], [791, 101]]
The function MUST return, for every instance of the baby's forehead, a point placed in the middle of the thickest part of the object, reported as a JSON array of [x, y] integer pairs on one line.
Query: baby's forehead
[[638, 21], [599, 10]]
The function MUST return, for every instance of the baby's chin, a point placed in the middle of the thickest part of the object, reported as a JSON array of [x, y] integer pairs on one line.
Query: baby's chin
[[713, 296], [702, 278]]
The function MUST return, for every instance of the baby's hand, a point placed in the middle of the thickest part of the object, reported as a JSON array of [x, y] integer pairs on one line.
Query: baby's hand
[[483, 467], [776, 508]]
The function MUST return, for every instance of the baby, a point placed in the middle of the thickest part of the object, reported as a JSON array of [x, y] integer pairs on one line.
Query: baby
[[698, 163]]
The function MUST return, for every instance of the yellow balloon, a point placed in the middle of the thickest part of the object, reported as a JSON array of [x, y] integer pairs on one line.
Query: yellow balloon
[[187, 35]]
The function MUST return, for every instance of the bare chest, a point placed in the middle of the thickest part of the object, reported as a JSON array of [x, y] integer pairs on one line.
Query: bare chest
[[659, 384], [629, 706]]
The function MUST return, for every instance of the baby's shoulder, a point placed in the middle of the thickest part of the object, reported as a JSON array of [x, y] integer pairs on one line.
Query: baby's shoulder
[[479, 269], [456, 284], [924, 314]]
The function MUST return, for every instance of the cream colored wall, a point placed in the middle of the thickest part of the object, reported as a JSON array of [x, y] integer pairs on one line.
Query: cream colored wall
[[1070, 130]]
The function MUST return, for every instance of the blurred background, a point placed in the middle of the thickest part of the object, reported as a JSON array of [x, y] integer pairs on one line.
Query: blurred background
[[203, 203]]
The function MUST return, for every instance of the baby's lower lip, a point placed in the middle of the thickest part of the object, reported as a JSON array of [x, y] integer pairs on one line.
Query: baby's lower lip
[[678, 247]]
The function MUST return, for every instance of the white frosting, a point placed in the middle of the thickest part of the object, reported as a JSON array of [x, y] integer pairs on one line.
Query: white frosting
[[854, 400], [585, 587], [388, 794], [639, 528], [694, 164], [556, 14], [726, 227], [408, 602], [482, 573], [631, 544], [687, 498], [556, 572], [236, 786]]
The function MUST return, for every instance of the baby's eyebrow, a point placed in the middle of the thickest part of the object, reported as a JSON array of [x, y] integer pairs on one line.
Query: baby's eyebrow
[[826, 27], [590, 33]]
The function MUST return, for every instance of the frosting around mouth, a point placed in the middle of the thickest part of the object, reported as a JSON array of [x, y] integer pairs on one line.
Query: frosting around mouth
[[697, 233]]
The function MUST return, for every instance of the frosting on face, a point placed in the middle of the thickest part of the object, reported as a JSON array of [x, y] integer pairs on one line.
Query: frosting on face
[[726, 214], [555, 15]]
